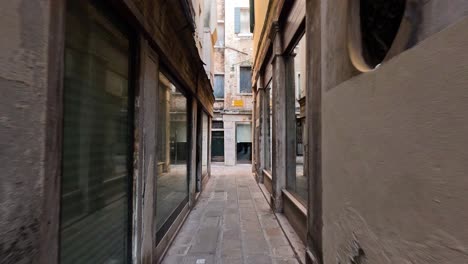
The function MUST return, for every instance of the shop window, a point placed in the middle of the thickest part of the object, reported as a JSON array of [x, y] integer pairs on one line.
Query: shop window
[[374, 25], [297, 184], [269, 125], [173, 155], [219, 86], [204, 155], [97, 138], [245, 82]]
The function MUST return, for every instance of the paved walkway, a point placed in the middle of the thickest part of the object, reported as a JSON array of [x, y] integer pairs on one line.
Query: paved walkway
[[231, 223]]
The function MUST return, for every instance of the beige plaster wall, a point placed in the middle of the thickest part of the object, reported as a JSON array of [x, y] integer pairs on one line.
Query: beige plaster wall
[[394, 156]]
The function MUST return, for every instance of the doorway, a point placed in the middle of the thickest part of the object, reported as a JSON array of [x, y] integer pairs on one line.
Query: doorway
[[244, 143], [217, 146]]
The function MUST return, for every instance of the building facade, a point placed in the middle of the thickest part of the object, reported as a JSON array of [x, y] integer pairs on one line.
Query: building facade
[[379, 110], [232, 121], [106, 114]]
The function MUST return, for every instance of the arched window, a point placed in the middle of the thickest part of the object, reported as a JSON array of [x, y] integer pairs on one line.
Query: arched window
[[374, 25]]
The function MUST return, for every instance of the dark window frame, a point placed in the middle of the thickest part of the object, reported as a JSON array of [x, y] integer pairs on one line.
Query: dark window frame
[[164, 70], [215, 86], [248, 88], [290, 187]]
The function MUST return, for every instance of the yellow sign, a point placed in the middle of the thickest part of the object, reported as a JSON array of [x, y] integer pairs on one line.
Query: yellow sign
[[238, 103]]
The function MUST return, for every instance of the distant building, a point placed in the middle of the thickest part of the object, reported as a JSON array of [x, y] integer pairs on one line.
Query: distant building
[[232, 123]]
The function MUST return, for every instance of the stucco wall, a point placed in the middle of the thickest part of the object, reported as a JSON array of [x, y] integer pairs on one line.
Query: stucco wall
[[165, 20], [23, 84], [394, 157], [424, 17]]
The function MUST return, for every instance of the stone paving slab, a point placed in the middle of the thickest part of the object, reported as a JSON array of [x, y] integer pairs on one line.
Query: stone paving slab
[[231, 223]]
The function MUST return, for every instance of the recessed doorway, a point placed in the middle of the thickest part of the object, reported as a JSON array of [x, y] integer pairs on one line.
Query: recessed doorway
[[217, 146], [244, 143]]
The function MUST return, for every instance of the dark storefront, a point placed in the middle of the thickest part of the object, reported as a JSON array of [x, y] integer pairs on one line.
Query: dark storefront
[[97, 138], [114, 104]]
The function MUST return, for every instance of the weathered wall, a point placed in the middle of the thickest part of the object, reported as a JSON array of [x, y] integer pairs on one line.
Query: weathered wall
[[163, 20], [238, 52], [394, 155], [219, 61], [23, 84]]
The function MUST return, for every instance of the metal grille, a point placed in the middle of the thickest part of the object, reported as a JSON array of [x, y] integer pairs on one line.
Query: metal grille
[[218, 124]]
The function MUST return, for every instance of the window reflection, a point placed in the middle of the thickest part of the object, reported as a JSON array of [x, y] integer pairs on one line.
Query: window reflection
[[298, 183], [96, 139], [172, 185], [269, 135], [205, 131]]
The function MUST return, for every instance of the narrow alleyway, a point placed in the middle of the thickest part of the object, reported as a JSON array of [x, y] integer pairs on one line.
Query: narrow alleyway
[[231, 223]]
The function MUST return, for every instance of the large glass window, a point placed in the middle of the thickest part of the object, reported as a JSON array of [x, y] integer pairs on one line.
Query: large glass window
[[205, 134], [298, 183], [173, 155], [97, 139], [269, 126]]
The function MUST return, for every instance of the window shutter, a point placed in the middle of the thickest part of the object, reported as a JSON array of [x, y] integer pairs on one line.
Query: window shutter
[[237, 20], [252, 16]]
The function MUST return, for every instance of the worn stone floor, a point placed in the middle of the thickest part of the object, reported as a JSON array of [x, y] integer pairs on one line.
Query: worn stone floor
[[231, 223]]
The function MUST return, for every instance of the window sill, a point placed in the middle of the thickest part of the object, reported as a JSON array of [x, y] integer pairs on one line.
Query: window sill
[[268, 174], [244, 35], [298, 203]]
